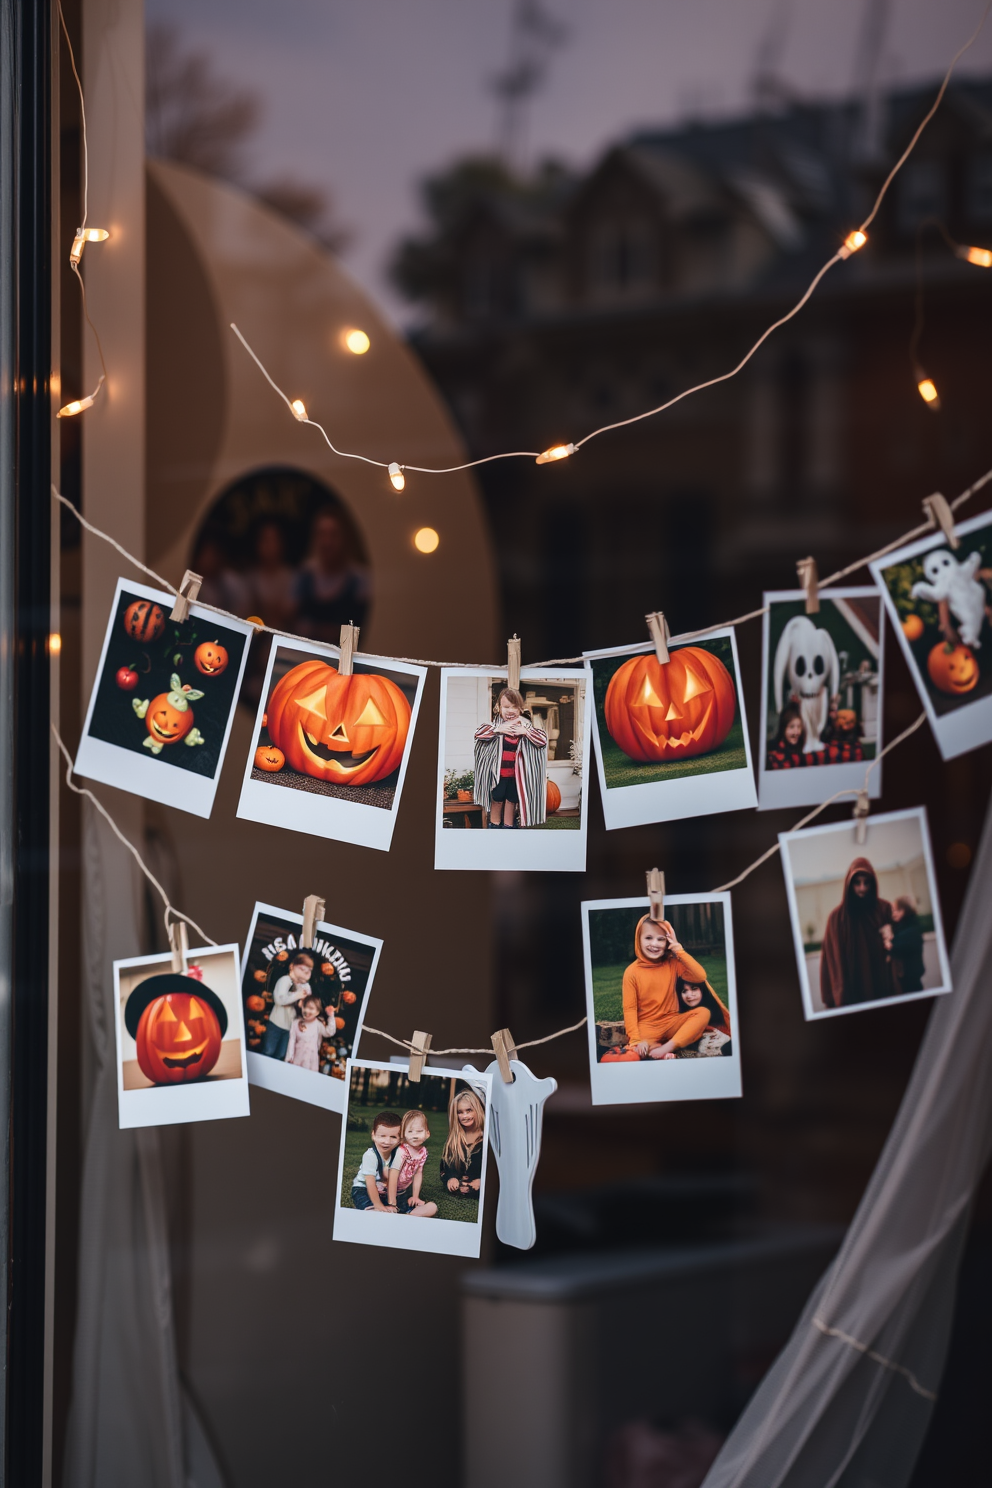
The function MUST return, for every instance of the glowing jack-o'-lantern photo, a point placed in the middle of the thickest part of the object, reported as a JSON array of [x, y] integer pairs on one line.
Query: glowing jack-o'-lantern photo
[[178, 1024], [669, 713], [346, 730]]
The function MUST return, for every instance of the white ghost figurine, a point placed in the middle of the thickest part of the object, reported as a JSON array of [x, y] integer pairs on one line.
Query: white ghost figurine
[[807, 657], [516, 1112], [956, 583]]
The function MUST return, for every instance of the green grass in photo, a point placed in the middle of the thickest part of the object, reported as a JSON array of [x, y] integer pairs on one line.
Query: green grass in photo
[[449, 1206], [607, 986]]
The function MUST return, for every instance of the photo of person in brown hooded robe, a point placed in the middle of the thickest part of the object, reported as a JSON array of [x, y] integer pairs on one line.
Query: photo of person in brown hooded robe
[[855, 959]]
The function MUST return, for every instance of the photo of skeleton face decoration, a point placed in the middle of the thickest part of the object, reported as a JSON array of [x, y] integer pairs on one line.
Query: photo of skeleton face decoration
[[822, 680]]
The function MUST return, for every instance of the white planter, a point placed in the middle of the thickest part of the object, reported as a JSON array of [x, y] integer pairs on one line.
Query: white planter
[[560, 771]]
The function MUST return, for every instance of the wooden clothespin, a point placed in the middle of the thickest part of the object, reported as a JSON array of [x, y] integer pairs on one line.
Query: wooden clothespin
[[188, 591], [349, 644], [418, 1055], [513, 662], [809, 578], [505, 1050], [313, 910], [179, 941], [656, 893], [937, 511], [861, 809], [659, 632]]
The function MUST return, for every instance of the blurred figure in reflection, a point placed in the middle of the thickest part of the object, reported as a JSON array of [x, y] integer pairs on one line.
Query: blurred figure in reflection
[[222, 585], [907, 944], [331, 589], [270, 580]]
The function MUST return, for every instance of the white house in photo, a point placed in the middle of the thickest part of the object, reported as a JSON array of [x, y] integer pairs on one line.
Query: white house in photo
[[470, 704]]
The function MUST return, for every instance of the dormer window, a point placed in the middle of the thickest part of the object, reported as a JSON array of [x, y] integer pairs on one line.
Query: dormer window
[[622, 258]]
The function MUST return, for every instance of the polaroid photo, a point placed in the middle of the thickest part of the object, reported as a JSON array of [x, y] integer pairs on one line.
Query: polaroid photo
[[661, 1000], [938, 600], [512, 788], [304, 1005], [821, 691], [412, 1166], [180, 1038], [865, 918], [162, 705], [671, 741], [329, 754]]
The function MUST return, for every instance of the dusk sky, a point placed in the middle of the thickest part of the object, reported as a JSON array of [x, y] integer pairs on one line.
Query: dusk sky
[[367, 96]]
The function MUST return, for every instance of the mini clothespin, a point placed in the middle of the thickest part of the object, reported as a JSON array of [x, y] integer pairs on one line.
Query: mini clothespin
[[513, 663], [188, 591], [659, 632], [861, 809], [505, 1050], [313, 910], [418, 1054], [179, 941], [809, 578], [656, 893], [937, 511], [349, 643]]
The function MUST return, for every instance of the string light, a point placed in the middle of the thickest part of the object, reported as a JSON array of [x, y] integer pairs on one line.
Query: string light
[[78, 405], [396, 476], [852, 243], [54, 644], [927, 389], [356, 342], [981, 257], [425, 540], [556, 452], [83, 236], [299, 410]]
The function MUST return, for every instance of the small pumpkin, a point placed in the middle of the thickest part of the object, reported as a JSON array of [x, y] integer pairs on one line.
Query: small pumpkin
[[144, 621], [339, 1024], [620, 1056], [327, 968], [255, 1003], [268, 758], [210, 658], [953, 669], [169, 717], [912, 627], [348, 997], [847, 720], [554, 798], [282, 955], [674, 712], [346, 730], [260, 975], [177, 1025]]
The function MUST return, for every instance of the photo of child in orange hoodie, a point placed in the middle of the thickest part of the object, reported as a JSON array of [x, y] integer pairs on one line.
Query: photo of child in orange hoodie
[[655, 1024]]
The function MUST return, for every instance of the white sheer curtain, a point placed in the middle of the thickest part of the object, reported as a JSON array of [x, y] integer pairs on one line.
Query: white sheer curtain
[[849, 1399]]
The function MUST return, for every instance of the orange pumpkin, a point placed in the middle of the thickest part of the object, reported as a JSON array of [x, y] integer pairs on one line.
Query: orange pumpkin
[[952, 668], [282, 956], [260, 976], [144, 621], [339, 1024], [912, 627], [327, 968], [177, 1025], [346, 730], [348, 997], [255, 1003], [211, 659], [554, 798], [166, 723], [269, 758], [672, 712], [620, 1056]]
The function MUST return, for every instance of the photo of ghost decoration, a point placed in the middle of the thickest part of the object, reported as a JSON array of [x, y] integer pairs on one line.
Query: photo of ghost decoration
[[807, 670]]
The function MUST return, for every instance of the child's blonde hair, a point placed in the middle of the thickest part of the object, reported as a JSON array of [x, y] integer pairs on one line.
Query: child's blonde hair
[[513, 697], [456, 1149], [409, 1117]]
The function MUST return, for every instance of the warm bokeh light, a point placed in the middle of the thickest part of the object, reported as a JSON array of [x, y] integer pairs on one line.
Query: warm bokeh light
[[425, 540], [982, 257], [356, 341], [299, 410], [83, 236], [927, 389], [959, 855], [853, 242], [556, 452], [396, 476], [78, 405], [54, 643]]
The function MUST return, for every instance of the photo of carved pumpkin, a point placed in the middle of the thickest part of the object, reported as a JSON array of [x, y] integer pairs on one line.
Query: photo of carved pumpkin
[[953, 669], [270, 759], [211, 658], [345, 730], [554, 798], [177, 1024], [674, 712], [144, 621]]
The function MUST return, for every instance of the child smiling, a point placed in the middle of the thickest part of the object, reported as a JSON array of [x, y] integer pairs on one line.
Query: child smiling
[[406, 1169], [655, 1025]]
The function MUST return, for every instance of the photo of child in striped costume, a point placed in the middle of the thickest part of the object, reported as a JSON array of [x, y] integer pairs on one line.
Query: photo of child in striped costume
[[511, 766]]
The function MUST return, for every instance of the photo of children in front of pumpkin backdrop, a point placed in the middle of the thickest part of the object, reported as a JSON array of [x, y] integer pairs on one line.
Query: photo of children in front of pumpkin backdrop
[[162, 705], [661, 999], [671, 738], [329, 752], [821, 688], [304, 1004], [939, 600], [180, 1038], [413, 1150], [512, 790]]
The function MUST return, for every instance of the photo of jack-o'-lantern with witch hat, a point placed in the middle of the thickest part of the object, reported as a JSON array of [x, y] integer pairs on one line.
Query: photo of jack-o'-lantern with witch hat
[[164, 697], [180, 1037], [331, 743]]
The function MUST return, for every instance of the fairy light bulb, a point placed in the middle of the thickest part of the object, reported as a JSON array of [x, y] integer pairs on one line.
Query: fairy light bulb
[[78, 405], [83, 236], [556, 452], [299, 410], [981, 257], [852, 243], [396, 476], [356, 341], [54, 644], [425, 540], [927, 389]]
